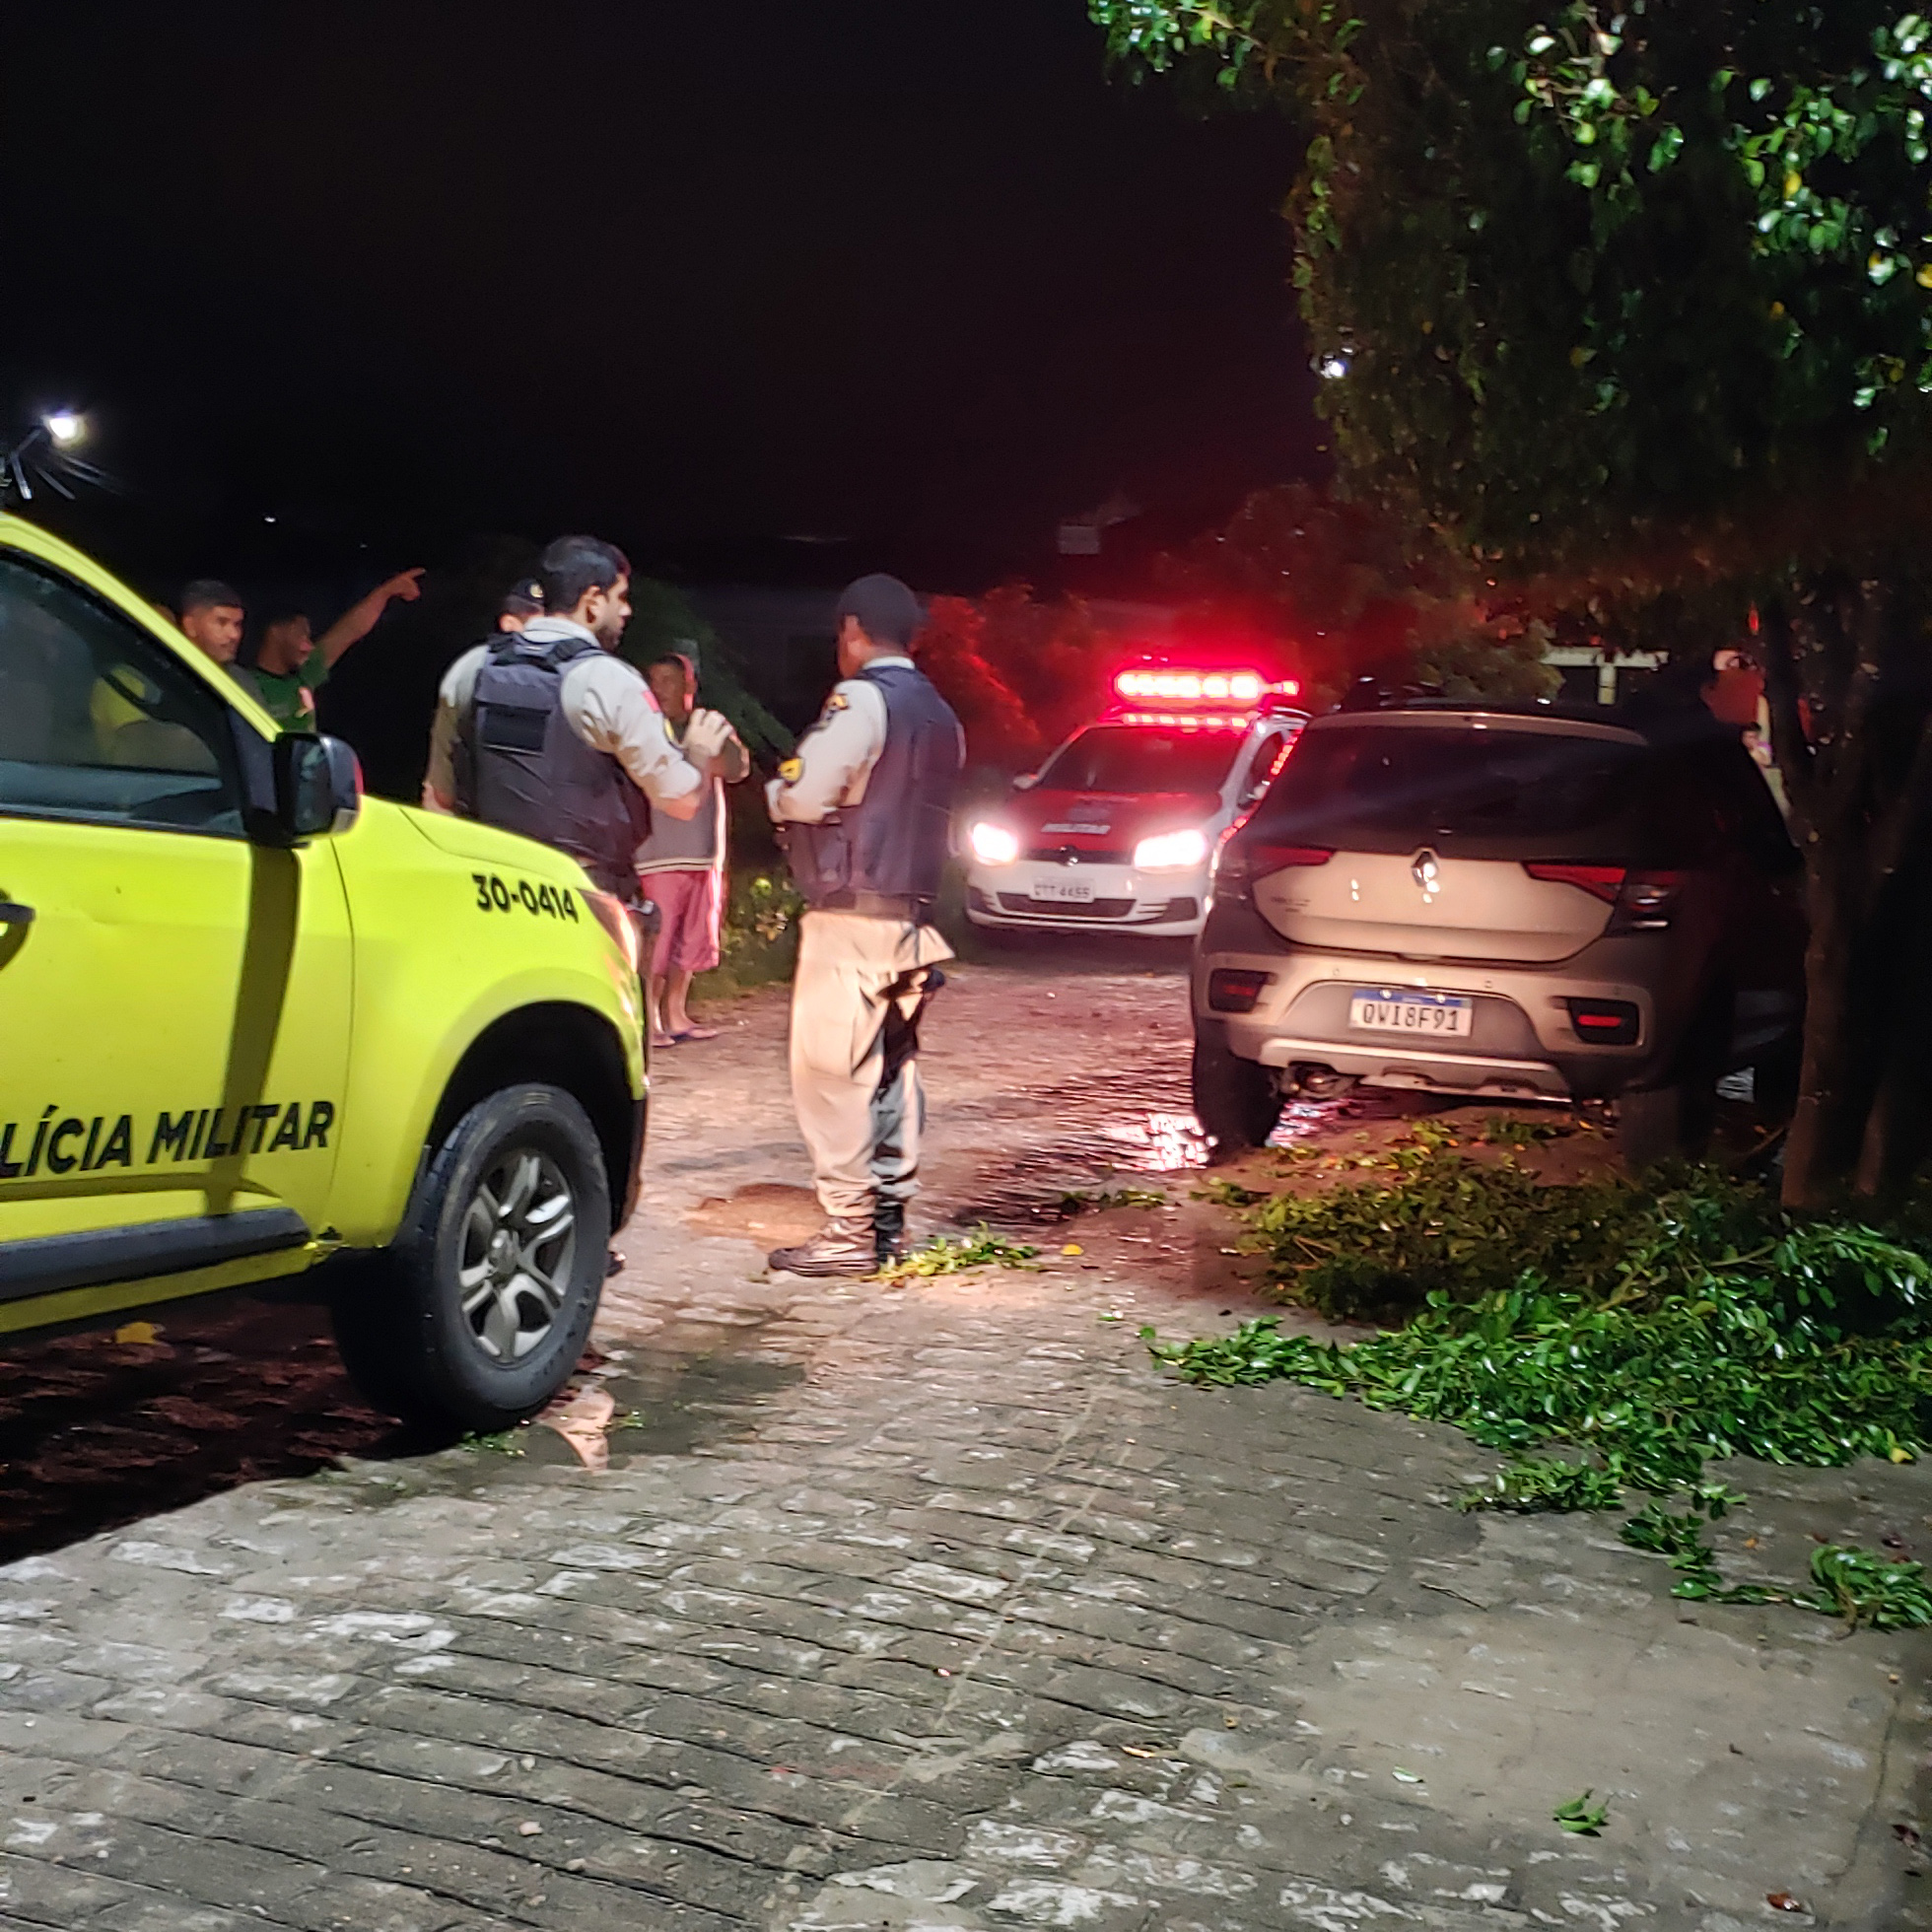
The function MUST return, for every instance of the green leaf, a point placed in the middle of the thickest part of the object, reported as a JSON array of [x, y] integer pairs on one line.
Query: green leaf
[[1577, 1815]]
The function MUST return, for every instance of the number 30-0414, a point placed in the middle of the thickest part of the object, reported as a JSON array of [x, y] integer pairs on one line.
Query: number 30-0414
[[494, 895]]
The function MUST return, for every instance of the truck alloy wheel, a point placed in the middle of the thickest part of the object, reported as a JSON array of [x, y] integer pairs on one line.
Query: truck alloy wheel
[[519, 1244], [478, 1313]]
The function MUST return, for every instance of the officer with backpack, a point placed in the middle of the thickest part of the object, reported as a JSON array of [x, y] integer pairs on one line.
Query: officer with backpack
[[863, 810], [544, 731]]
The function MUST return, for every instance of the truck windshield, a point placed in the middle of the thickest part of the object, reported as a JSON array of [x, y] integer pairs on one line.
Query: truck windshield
[[1141, 758]]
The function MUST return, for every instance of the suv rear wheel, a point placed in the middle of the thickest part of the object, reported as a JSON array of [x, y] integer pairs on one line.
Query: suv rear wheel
[[479, 1311], [1236, 1101], [1675, 1122]]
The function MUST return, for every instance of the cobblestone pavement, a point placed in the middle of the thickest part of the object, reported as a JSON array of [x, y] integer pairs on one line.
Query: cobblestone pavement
[[936, 1608]]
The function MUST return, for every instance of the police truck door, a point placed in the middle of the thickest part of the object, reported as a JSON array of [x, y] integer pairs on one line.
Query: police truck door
[[173, 1001]]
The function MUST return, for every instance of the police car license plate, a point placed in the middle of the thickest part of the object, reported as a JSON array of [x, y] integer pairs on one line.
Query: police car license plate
[[1387, 1009], [1066, 892]]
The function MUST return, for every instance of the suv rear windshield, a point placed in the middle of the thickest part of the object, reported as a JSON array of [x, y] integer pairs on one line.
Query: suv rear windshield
[[1142, 758], [1392, 787]]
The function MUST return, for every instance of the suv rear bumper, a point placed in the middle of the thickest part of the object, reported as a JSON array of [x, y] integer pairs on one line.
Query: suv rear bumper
[[1522, 1045]]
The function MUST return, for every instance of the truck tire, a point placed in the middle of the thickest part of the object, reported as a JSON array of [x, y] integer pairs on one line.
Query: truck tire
[[1236, 1101], [479, 1310]]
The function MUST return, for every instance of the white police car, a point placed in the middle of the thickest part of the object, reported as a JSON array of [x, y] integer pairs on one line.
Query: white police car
[[1118, 828]]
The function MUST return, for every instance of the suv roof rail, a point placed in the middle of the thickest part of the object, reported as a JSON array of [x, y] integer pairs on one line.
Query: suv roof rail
[[1370, 694]]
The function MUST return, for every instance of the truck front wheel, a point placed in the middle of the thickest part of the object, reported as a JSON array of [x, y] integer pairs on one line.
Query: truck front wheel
[[479, 1310]]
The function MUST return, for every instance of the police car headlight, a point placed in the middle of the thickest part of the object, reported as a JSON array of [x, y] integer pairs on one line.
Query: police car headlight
[[1171, 852], [992, 844]]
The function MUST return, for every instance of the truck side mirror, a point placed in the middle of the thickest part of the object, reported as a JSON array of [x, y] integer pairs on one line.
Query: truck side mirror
[[318, 787]]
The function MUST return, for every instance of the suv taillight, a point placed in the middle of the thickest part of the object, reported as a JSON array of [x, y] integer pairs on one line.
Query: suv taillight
[[1244, 861], [1604, 1022], [1641, 900], [1235, 988]]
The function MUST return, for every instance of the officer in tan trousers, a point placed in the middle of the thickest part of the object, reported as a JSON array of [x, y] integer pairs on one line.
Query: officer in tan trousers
[[863, 810]]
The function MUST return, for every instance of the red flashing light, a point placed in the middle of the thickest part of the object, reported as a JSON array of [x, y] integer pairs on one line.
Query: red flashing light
[[1193, 687], [1190, 721]]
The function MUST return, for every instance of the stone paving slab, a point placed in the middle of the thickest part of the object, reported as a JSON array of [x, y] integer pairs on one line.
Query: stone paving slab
[[966, 1619]]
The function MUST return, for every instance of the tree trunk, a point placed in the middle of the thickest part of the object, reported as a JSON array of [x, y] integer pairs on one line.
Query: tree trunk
[[1853, 733], [1833, 1092]]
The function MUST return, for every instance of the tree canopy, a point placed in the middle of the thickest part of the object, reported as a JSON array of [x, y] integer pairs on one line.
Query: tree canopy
[[1618, 283]]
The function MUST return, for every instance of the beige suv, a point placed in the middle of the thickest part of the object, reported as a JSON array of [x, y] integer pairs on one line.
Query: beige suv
[[1509, 904]]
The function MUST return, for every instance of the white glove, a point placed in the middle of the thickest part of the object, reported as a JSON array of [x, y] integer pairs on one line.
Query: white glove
[[705, 736]]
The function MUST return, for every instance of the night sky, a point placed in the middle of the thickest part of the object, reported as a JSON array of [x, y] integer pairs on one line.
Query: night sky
[[701, 279]]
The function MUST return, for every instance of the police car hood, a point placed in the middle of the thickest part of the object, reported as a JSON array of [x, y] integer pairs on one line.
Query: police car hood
[[1104, 822], [464, 837]]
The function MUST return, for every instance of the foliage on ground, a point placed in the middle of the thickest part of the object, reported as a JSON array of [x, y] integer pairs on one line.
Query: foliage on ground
[[1579, 1816], [1639, 1334], [1078, 1200], [982, 1248]]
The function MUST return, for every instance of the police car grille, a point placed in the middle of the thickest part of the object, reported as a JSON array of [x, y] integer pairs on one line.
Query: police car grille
[[1075, 855], [1020, 902]]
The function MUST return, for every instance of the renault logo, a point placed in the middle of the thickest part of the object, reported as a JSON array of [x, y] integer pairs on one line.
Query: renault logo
[[1426, 870]]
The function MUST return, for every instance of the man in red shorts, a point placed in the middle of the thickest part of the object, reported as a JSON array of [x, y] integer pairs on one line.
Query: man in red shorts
[[682, 866]]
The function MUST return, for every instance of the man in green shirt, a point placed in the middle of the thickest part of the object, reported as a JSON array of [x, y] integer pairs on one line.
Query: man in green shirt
[[292, 666]]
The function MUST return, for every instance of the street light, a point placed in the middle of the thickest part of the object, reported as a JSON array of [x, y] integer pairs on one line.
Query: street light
[[1334, 367], [56, 434]]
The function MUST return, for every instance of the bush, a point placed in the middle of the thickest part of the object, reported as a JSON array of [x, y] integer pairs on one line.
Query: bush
[[758, 942], [1651, 1331]]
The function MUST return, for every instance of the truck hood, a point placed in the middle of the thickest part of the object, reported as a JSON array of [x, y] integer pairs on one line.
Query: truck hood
[[464, 837]]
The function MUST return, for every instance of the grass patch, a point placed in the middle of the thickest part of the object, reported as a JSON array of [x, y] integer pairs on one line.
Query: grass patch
[[1641, 1333]]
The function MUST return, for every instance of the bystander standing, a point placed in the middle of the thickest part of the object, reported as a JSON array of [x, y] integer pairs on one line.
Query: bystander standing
[[291, 664], [682, 866], [212, 616]]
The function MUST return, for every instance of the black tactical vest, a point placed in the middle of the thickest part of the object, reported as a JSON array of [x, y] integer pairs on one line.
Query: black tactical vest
[[893, 845], [523, 769]]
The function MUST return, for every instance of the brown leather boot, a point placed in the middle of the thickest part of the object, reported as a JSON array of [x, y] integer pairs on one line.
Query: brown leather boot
[[839, 1246]]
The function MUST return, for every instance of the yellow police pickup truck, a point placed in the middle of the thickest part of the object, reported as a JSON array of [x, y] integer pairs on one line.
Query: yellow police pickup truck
[[251, 1021]]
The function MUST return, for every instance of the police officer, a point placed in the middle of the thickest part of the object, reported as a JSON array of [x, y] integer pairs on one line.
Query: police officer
[[863, 810], [542, 731]]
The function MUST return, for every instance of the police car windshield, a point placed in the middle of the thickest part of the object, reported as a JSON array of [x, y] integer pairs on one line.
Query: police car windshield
[[1141, 758]]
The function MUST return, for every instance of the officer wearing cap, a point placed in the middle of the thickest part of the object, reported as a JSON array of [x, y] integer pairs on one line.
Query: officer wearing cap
[[521, 602], [863, 810]]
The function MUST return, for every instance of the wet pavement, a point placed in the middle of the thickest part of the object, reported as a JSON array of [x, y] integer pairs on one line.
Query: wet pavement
[[923, 1607]]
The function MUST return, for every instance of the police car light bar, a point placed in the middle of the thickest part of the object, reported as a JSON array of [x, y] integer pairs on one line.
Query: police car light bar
[[1191, 721], [1201, 687]]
